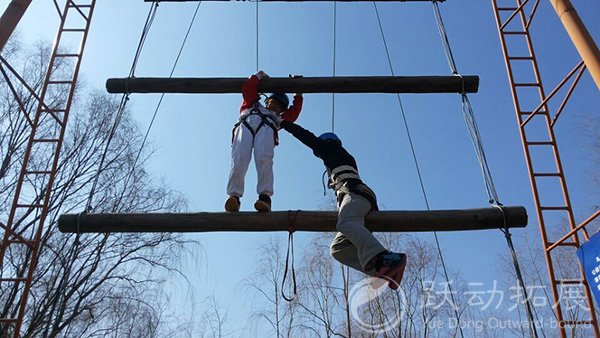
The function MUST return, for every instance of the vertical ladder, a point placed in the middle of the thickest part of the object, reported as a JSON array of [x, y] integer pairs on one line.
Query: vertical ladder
[[22, 234], [541, 154]]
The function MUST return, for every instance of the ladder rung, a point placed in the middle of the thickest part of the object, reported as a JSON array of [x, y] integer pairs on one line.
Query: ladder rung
[[79, 6], [60, 82], [73, 30], [527, 84], [514, 33], [578, 322], [53, 110], [45, 140], [520, 57], [563, 244], [554, 208], [30, 205], [14, 280], [8, 320], [569, 281], [67, 55], [547, 174], [38, 172], [16, 241], [541, 112], [512, 9], [538, 143]]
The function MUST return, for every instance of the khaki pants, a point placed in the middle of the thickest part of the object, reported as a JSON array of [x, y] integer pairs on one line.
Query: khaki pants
[[354, 245]]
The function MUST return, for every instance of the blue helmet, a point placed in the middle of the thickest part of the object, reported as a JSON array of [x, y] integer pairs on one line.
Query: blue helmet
[[331, 136], [281, 97]]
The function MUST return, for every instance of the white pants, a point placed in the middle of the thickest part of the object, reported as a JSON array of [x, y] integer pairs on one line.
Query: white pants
[[263, 143]]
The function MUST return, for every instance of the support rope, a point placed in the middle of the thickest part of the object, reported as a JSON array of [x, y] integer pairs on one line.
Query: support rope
[[334, 64], [183, 43], [124, 99], [414, 155], [475, 137], [290, 247], [324, 176], [122, 104], [257, 36]]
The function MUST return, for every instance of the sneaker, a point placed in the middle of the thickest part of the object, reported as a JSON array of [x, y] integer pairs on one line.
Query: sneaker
[[390, 266], [232, 204], [263, 203]]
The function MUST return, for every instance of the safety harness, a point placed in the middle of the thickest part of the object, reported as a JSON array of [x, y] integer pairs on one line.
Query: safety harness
[[266, 119], [345, 179]]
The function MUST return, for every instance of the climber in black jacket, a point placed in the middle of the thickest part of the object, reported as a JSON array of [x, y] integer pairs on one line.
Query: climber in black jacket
[[354, 245]]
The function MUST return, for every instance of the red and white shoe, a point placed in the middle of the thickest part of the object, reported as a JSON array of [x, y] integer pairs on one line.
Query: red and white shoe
[[390, 267]]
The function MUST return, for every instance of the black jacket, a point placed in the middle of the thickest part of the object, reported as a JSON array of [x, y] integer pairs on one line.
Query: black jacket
[[341, 165]]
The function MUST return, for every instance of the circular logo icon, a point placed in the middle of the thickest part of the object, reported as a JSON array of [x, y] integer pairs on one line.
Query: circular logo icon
[[372, 295]]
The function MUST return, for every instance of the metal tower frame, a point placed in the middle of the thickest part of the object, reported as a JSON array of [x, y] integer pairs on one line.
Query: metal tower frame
[[536, 126], [22, 233]]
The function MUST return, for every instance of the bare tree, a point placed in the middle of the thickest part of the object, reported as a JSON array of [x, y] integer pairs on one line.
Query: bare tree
[[322, 296], [215, 319], [279, 315], [424, 299], [88, 285]]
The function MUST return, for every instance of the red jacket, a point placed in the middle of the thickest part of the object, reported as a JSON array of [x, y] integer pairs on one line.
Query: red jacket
[[250, 95]]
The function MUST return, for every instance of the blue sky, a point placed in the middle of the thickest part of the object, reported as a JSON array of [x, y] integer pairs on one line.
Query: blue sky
[[192, 132]]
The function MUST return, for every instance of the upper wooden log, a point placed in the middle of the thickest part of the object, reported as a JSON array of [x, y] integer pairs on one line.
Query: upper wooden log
[[340, 84], [321, 221]]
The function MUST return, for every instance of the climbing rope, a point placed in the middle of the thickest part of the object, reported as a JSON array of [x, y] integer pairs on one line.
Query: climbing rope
[[290, 248], [334, 64], [257, 35], [183, 43], [122, 104], [475, 137], [121, 109], [414, 155]]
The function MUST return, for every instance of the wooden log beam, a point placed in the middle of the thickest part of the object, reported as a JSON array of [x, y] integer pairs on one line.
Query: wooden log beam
[[341, 84], [321, 221]]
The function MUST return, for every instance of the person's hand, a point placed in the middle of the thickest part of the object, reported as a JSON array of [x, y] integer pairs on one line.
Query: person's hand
[[262, 75], [295, 76]]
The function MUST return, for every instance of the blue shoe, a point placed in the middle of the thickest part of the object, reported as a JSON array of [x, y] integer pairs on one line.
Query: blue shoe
[[390, 266]]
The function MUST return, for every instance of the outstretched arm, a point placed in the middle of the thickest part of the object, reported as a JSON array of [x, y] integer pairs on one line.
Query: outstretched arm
[[291, 114], [250, 89], [304, 136]]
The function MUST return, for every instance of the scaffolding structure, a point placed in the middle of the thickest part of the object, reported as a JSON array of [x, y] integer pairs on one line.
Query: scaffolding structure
[[536, 126], [30, 207]]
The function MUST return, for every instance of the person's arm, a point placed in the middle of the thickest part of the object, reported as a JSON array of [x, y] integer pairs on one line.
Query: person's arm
[[250, 90], [291, 114], [304, 136]]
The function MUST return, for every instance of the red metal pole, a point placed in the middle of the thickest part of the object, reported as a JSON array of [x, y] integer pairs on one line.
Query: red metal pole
[[11, 17]]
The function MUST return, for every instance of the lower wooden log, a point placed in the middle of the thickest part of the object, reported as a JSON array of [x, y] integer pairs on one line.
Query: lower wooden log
[[320, 221]]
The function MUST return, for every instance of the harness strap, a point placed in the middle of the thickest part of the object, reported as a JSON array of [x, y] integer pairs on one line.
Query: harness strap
[[266, 119]]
